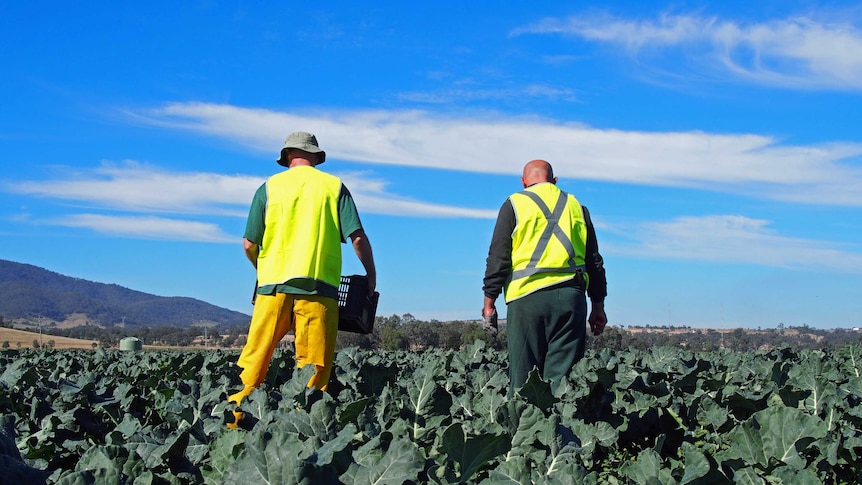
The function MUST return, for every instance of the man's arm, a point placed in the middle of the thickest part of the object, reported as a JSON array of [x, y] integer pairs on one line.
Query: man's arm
[[252, 251], [255, 226], [362, 248], [498, 266], [351, 226], [598, 287]]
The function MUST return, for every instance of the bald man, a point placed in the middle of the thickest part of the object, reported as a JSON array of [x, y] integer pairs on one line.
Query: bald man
[[545, 258]]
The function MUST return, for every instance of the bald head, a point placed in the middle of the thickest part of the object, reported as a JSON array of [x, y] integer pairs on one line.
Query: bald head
[[536, 172]]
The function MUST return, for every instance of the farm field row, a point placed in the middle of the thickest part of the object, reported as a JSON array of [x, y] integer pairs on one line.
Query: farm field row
[[663, 416]]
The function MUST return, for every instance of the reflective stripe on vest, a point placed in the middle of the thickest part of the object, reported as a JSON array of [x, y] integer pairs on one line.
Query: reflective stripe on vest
[[302, 236], [548, 246]]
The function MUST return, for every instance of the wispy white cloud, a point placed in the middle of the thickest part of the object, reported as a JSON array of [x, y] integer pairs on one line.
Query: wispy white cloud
[[405, 207], [148, 227], [735, 239], [752, 164], [372, 196], [796, 52], [136, 188]]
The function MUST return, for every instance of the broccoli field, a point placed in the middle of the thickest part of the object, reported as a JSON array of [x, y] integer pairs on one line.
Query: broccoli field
[[663, 416]]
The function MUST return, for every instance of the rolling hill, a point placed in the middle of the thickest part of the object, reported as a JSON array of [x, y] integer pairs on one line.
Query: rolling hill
[[27, 291]]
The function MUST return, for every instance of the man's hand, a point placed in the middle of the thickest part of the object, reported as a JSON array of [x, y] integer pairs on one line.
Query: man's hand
[[489, 322], [598, 319], [489, 316]]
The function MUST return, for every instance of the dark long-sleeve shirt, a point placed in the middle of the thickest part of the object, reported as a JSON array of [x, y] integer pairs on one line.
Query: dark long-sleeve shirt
[[498, 268]]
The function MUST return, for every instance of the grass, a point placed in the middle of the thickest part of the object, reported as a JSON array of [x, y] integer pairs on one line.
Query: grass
[[25, 339]]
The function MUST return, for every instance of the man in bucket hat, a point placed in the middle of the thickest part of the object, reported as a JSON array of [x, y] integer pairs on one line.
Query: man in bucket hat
[[297, 222]]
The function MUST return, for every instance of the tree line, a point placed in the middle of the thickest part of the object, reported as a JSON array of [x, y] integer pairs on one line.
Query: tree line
[[737, 340], [406, 332]]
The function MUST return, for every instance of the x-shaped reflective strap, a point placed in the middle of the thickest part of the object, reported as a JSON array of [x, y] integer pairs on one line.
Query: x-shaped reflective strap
[[552, 229]]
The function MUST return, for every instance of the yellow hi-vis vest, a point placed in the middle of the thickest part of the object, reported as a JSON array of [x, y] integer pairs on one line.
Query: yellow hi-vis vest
[[302, 236], [549, 240]]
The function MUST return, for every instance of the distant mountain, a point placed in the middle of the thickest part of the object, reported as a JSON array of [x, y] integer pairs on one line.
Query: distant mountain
[[27, 291]]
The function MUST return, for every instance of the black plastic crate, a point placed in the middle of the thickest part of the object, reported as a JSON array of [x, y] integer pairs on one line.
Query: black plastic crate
[[356, 310]]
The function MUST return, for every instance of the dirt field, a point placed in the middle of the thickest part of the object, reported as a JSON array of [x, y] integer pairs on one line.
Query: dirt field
[[25, 339]]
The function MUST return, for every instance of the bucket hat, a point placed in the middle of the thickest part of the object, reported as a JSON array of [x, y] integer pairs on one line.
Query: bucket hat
[[301, 141]]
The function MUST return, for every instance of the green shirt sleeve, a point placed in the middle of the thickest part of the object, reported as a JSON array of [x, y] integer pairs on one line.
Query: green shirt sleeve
[[348, 216], [256, 216]]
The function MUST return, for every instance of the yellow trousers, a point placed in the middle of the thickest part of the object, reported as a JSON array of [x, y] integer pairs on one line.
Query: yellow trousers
[[314, 320]]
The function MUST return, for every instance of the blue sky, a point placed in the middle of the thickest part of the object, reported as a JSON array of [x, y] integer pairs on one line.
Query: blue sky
[[717, 145]]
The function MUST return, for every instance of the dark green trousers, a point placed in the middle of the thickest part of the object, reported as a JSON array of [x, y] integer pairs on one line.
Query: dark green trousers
[[546, 330]]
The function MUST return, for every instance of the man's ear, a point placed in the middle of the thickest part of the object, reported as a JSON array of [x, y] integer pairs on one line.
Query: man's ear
[[554, 181], [523, 182]]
